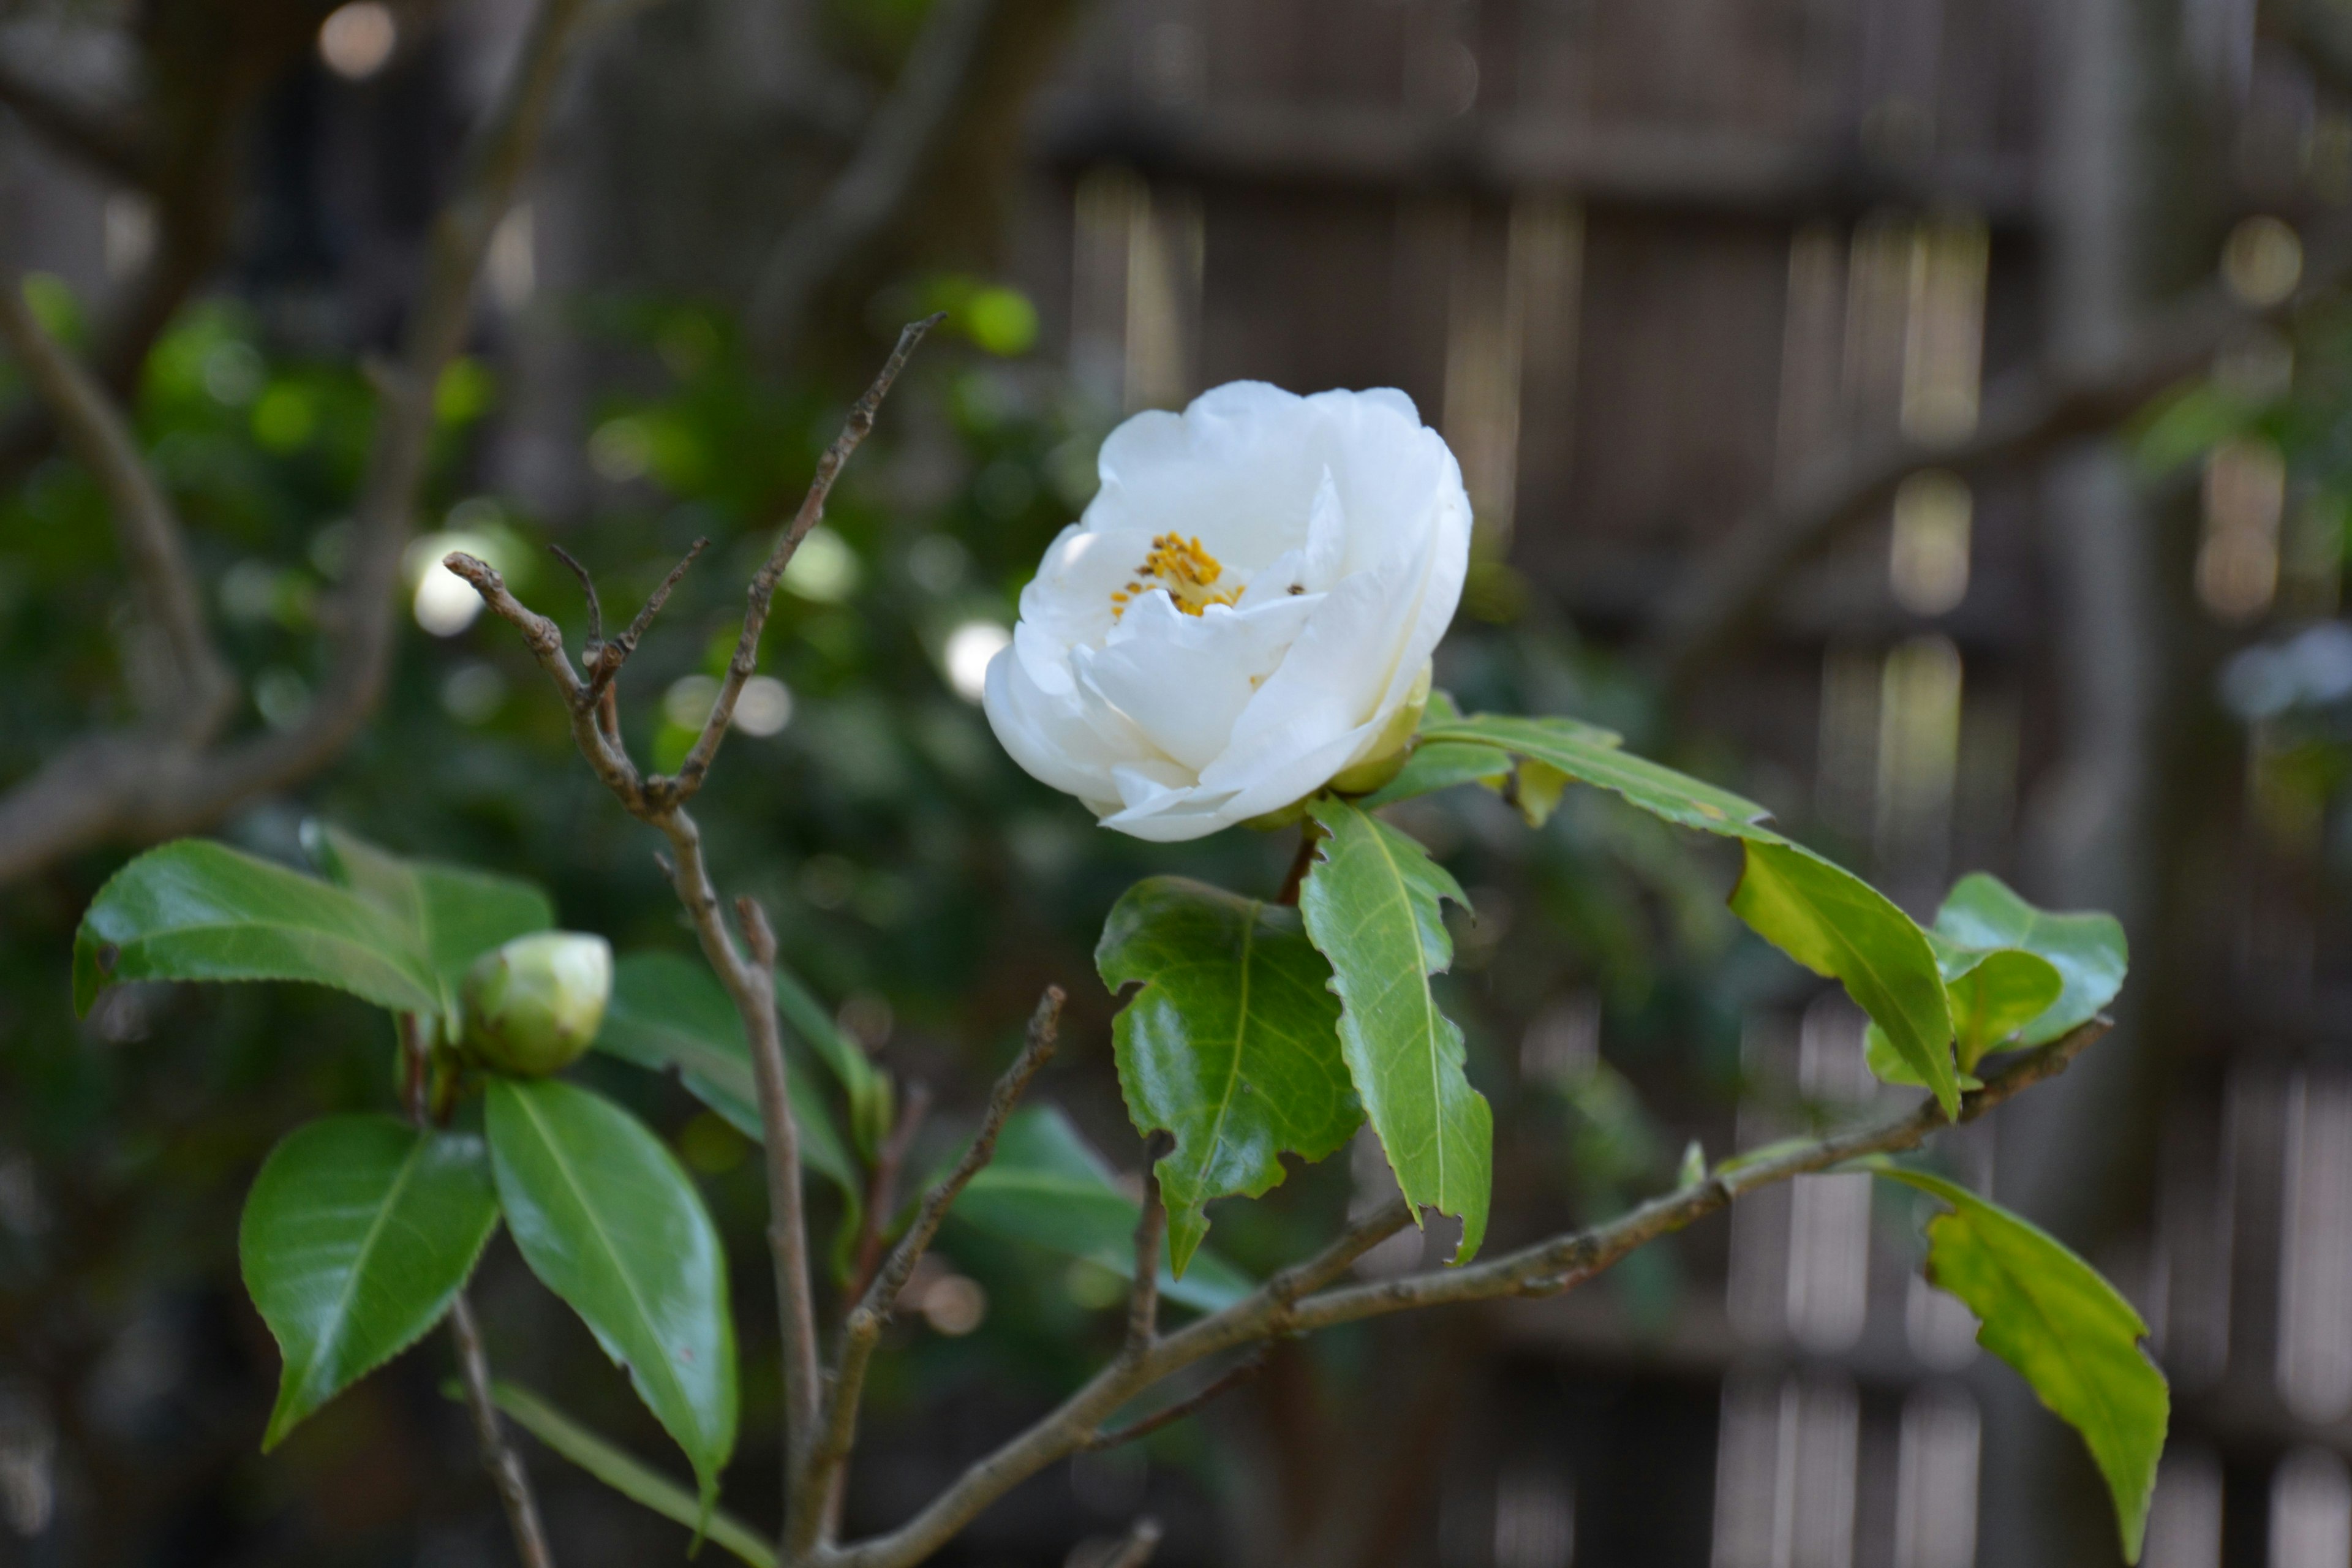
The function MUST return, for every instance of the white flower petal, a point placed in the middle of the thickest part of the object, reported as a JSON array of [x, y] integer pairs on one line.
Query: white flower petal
[[1342, 522]]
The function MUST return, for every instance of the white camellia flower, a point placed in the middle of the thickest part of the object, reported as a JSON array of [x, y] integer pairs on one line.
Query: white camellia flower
[[1246, 612]]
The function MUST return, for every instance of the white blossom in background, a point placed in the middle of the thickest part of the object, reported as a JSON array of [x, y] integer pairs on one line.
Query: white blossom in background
[[1245, 611]]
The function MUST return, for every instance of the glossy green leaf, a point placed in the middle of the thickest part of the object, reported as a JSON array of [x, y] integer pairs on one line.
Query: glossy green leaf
[[626, 1473], [194, 909], [669, 1012], [1837, 925], [1592, 756], [2047, 1313], [1373, 906], [1819, 915], [868, 1088], [1232, 1046], [1046, 1186], [2087, 950], [451, 914], [1991, 996], [1442, 764], [357, 1235], [608, 1220]]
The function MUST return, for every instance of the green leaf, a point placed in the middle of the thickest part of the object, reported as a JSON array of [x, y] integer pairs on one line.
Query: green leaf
[[1372, 902], [1046, 1186], [626, 1473], [2047, 1313], [870, 1100], [1993, 994], [1837, 925], [1232, 1044], [669, 1012], [607, 1219], [1442, 764], [451, 914], [1822, 915], [2087, 950], [357, 1235], [1592, 756], [194, 909]]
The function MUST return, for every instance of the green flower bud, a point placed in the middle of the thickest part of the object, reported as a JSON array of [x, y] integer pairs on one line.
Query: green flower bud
[[534, 1005]]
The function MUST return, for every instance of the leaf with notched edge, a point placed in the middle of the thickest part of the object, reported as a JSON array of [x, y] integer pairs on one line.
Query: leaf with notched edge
[[2049, 1315], [357, 1235], [1232, 1044], [1373, 906]]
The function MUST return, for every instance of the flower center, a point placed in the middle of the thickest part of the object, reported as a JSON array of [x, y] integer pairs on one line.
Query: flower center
[[1186, 571]]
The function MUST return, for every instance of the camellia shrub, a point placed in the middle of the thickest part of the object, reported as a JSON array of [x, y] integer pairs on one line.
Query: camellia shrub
[[1237, 634]]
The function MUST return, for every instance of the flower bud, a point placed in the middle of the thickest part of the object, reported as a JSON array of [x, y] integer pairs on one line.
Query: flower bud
[[534, 1005]]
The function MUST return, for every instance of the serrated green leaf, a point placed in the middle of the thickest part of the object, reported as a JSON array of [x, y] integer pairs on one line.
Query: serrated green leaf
[[1232, 1046], [2049, 1315], [1592, 756], [1047, 1187], [1373, 906], [1839, 926], [626, 1473], [451, 913], [1442, 764], [608, 1220], [868, 1088], [669, 1013], [2087, 950], [357, 1235], [1822, 915], [194, 909]]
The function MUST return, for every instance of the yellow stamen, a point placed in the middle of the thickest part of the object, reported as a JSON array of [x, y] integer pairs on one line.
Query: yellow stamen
[[1185, 570]]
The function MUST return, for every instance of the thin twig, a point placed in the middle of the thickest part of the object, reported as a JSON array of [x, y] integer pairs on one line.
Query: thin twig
[[1150, 1231], [154, 548], [616, 653], [499, 1455], [806, 1513], [1224, 1383], [882, 1186], [591, 649], [762, 593], [750, 985], [1288, 1302]]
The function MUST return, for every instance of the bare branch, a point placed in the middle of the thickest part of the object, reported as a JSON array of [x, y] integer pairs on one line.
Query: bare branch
[[875, 183], [1224, 1383], [499, 1455], [104, 141], [2024, 416], [545, 640], [152, 546], [806, 1514], [594, 645], [882, 1186], [1286, 1304], [609, 659], [763, 594]]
